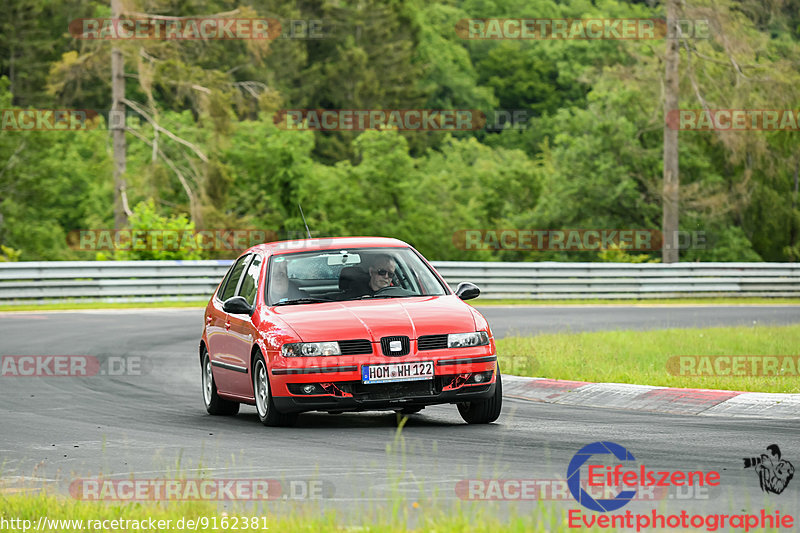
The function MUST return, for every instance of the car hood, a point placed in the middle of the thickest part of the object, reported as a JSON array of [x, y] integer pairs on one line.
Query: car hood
[[373, 319]]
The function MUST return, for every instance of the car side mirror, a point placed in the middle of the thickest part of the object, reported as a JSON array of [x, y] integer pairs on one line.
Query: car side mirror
[[467, 290], [237, 305]]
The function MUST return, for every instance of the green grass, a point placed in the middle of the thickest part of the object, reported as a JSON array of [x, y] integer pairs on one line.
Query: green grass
[[644, 301], [401, 517], [77, 304], [641, 356], [475, 518]]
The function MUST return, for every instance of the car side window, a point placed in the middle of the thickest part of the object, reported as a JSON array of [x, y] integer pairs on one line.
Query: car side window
[[250, 281], [229, 289]]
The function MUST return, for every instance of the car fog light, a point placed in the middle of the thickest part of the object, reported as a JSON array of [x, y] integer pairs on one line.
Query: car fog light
[[478, 378], [309, 389]]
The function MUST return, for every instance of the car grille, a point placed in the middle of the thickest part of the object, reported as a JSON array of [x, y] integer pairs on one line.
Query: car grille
[[355, 347], [432, 342], [405, 345], [391, 391], [388, 391]]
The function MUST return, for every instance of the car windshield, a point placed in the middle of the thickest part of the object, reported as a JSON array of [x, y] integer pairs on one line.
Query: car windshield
[[351, 274]]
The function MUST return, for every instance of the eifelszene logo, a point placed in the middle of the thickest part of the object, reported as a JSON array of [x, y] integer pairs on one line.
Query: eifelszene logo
[[626, 476], [774, 473], [609, 467], [574, 476]]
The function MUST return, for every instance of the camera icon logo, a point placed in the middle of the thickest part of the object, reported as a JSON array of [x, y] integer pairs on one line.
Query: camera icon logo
[[774, 473]]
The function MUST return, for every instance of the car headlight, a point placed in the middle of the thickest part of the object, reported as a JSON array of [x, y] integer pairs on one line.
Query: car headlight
[[465, 340], [310, 349]]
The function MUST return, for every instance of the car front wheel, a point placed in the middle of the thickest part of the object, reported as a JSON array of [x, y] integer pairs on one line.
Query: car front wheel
[[267, 412], [483, 411], [214, 404]]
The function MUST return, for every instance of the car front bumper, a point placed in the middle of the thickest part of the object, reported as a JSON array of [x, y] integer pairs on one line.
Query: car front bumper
[[338, 385], [382, 398]]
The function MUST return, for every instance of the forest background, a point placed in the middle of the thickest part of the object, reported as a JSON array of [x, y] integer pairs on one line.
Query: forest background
[[585, 151]]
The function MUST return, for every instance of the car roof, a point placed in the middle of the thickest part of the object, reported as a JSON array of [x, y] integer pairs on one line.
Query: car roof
[[327, 243]]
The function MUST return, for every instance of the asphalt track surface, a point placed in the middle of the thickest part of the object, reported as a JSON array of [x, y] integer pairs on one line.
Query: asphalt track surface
[[152, 424], [531, 320]]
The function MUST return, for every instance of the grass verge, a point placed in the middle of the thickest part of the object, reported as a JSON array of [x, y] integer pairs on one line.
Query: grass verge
[[77, 304], [642, 357], [63, 514], [42, 513], [643, 301]]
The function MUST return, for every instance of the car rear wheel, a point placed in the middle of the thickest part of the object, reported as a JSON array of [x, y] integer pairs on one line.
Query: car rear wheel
[[214, 404], [483, 411], [267, 412]]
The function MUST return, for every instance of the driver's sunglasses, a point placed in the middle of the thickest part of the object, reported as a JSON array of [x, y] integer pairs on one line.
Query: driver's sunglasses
[[383, 272]]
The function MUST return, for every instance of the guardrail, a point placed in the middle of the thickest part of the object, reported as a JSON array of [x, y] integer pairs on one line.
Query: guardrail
[[196, 280], [542, 281]]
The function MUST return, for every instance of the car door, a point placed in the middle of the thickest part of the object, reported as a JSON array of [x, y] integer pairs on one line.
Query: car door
[[221, 344], [242, 333]]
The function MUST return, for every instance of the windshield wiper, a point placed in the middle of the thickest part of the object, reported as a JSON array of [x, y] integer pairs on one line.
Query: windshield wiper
[[379, 296], [302, 301]]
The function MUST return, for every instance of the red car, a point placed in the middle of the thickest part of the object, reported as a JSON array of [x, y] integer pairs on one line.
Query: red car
[[345, 324]]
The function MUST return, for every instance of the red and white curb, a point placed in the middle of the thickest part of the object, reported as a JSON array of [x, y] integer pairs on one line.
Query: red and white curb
[[701, 402]]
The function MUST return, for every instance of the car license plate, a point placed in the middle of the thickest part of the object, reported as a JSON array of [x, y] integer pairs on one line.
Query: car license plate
[[397, 372]]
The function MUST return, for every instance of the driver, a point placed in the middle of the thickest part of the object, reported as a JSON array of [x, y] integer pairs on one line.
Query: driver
[[378, 276], [381, 273]]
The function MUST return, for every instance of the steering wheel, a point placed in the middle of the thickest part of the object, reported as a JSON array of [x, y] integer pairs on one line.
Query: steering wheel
[[399, 291]]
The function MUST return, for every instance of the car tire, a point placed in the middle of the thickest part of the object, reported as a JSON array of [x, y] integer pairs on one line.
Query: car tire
[[483, 411], [265, 407], [214, 404]]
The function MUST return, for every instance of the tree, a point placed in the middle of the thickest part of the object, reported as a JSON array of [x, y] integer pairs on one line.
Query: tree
[[175, 72], [669, 226], [117, 125]]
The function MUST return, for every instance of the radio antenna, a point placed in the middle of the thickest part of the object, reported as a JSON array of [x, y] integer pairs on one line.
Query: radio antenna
[[304, 219]]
